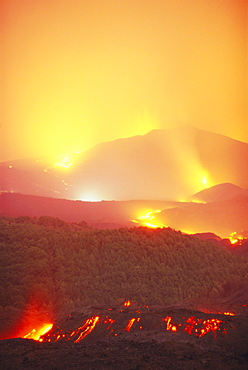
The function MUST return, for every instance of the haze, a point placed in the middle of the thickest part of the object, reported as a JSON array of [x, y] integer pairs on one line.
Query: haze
[[76, 73]]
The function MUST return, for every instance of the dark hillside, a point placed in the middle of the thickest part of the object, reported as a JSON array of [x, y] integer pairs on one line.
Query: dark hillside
[[55, 267], [117, 213]]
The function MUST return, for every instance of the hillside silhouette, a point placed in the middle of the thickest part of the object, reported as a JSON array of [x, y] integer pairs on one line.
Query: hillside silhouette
[[163, 164], [220, 192], [221, 215], [104, 214]]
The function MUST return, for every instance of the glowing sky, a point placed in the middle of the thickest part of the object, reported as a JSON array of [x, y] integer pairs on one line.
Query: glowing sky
[[78, 72]]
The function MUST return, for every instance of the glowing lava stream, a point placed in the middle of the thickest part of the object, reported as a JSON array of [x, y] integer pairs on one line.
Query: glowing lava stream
[[207, 326], [87, 327], [235, 238], [131, 322], [191, 325], [169, 325], [127, 304], [145, 219], [36, 334], [64, 161]]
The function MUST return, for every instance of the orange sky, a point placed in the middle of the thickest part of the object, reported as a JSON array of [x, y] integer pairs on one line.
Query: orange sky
[[75, 73]]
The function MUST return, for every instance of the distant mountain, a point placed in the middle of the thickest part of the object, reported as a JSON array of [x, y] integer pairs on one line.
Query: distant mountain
[[219, 217], [104, 214], [220, 192], [32, 176], [163, 164]]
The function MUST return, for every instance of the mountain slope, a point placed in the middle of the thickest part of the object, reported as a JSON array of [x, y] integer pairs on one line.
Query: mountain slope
[[163, 164], [101, 214], [220, 192], [63, 267], [222, 218]]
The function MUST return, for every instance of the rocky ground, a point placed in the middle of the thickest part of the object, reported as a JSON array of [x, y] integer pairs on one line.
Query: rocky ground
[[150, 343]]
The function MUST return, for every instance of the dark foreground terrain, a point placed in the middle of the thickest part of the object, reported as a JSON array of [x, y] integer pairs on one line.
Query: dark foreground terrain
[[135, 338]]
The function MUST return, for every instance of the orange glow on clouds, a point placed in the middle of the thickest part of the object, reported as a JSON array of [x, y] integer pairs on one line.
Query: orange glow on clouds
[[81, 72]]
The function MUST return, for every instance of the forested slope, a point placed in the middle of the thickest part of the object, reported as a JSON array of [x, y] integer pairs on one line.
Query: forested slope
[[59, 267]]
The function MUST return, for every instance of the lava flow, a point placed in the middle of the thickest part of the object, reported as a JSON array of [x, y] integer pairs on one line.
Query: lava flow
[[131, 322], [169, 325], [199, 327], [132, 318], [146, 220], [87, 328], [37, 333]]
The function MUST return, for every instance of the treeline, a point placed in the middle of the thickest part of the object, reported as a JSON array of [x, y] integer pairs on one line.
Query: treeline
[[61, 267]]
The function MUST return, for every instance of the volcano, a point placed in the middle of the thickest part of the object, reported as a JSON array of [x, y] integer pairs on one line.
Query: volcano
[[163, 164], [220, 192]]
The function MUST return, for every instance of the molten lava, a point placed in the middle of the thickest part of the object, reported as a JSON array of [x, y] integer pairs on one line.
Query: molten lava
[[108, 321], [235, 238], [63, 162], [87, 328], [199, 327], [210, 325], [127, 304], [169, 325], [145, 220], [76, 335], [193, 326], [131, 322], [36, 334]]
